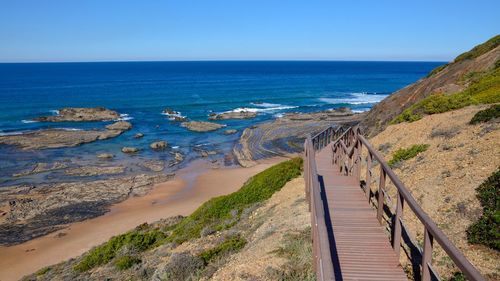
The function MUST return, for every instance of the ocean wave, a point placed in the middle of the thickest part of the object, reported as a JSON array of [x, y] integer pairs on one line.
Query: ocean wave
[[173, 116], [264, 109], [265, 104], [175, 147], [356, 99], [28, 121], [16, 133], [124, 117], [54, 111]]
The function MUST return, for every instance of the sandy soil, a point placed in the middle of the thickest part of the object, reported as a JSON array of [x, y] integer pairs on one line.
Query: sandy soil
[[190, 188], [444, 178]]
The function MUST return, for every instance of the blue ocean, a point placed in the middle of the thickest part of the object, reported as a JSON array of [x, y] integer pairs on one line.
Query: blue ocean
[[140, 91]]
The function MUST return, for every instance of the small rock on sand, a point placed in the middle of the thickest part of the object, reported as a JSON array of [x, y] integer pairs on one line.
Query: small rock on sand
[[128, 149], [158, 145]]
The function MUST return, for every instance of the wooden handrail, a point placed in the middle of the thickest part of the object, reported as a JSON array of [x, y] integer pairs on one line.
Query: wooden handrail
[[321, 246], [347, 147]]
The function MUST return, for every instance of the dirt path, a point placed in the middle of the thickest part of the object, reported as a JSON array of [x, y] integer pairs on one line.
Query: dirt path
[[180, 196]]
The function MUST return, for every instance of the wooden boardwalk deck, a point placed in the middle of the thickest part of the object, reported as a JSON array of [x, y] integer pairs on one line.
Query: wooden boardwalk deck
[[359, 244]]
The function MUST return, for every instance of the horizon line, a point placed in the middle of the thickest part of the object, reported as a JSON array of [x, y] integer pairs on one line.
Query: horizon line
[[218, 60]]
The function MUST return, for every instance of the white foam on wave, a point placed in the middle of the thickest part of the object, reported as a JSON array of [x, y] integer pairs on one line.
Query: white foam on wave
[[15, 133], [173, 116], [265, 104], [54, 111], [264, 109], [175, 147], [355, 99], [28, 121], [124, 117]]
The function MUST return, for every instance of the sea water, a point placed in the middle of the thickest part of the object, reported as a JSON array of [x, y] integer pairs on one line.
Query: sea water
[[140, 91]]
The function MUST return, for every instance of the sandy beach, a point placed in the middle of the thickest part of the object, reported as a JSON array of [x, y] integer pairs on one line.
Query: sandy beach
[[189, 189]]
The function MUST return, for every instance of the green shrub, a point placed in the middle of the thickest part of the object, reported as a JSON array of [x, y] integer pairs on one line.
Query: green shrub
[[216, 212], [457, 276], [486, 115], [486, 230], [437, 70], [484, 89], [43, 271], [139, 239], [126, 262], [407, 153], [480, 49], [230, 245]]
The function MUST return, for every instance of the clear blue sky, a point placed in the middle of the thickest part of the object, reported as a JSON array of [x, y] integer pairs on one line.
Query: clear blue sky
[[110, 30]]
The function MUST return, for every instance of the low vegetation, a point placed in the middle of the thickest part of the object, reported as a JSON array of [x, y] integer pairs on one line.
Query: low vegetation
[[486, 230], [216, 214], [407, 153], [139, 239], [480, 49], [486, 115], [297, 249], [457, 276], [126, 262], [231, 244], [437, 70], [483, 89], [223, 212]]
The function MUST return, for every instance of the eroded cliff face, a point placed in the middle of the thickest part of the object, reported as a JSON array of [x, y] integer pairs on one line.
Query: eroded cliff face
[[451, 79]]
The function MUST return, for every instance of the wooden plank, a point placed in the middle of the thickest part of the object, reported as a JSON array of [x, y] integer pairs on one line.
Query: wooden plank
[[362, 246]]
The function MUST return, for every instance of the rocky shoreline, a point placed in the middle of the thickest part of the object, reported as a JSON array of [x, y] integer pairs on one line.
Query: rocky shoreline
[[287, 134], [30, 211], [58, 138]]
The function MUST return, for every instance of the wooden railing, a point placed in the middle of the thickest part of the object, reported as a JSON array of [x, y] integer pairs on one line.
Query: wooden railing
[[347, 148]]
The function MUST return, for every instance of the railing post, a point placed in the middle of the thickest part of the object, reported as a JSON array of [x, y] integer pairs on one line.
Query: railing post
[[427, 256], [396, 230], [307, 172], [381, 186], [368, 178]]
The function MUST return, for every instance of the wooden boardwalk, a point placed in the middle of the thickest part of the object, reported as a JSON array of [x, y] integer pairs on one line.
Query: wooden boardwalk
[[362, 250], [353, 240]]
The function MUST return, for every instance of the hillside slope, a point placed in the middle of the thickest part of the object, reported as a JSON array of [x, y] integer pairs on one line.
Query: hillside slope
[[450, 78], [443, 179]]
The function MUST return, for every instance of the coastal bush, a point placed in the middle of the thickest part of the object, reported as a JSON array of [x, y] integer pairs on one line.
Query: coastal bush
[[126, 262], [437, 70], [139, 239], [483, 89], [230, 245], [457, 276], [486, 230], [486, 115], [407, 153], [480, 49], [216, 212], [297, 249]]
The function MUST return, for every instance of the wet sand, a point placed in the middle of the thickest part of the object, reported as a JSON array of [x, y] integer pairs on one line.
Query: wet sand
[[189, 189]]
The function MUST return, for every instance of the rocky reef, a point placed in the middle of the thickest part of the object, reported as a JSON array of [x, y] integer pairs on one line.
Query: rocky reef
[[57, 138], [201, 126], [232, 115], [81, 114], [286, 135], [29, 211]]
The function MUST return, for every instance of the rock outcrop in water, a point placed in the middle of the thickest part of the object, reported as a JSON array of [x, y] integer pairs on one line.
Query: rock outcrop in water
[[233, 115], [174, 115], [57, 138], [41, 168], [286, 135], [29, 211], [158, 145], [201, 126], [81, 114]]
